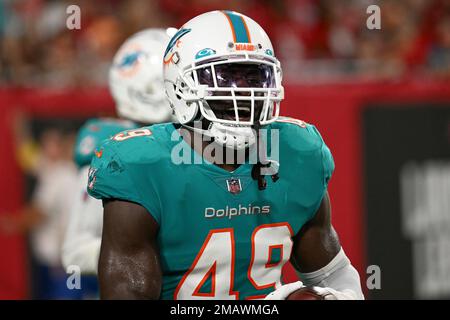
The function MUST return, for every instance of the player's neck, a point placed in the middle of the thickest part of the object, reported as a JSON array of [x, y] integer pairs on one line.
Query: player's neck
[[189, 137]]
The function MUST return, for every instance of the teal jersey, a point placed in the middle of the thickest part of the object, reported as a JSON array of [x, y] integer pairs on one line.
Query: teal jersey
[[220, 236], [91, 135]]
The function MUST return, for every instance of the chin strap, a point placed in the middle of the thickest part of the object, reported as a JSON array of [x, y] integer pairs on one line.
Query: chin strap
[[257, 170]]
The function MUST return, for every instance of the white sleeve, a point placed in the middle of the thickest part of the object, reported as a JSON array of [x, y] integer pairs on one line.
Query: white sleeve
[[83, 236], [339, 279]]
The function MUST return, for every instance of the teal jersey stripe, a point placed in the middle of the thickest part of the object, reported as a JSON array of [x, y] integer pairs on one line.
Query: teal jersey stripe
[[239, 27]]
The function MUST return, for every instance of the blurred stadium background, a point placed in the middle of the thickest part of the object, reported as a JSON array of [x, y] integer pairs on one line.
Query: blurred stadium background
[[381, 99]]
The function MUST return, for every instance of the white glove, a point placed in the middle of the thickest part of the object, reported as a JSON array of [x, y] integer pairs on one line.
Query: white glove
[[284, 291]]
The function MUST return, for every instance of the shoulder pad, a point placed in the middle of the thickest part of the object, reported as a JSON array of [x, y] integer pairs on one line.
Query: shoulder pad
[[92, 134]]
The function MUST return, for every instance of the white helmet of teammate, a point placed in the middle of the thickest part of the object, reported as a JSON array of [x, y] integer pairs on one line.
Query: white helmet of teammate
[[220, 67], [136, 77]]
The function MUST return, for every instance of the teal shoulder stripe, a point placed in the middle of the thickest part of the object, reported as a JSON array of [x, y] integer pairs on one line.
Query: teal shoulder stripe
[[239, 27]]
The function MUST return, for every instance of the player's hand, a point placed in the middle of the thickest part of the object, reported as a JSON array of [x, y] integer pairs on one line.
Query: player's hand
[[284, 291]]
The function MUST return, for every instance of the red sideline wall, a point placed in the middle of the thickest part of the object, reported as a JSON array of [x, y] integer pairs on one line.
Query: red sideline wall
[[335, 109]]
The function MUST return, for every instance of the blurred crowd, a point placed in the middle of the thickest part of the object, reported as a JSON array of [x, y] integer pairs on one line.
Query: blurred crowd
[[44, 152], [316, 40]]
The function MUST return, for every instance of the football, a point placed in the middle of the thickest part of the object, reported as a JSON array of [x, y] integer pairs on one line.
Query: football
[[305, 293]]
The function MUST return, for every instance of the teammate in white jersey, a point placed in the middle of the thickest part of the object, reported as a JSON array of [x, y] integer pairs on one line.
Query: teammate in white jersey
[[136, 83]]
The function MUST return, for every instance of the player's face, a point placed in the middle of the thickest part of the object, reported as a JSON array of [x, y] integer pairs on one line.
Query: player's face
[[237, 75]]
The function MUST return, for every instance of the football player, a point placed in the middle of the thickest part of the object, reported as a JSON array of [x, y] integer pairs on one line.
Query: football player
[[136, 84], [208, 229]]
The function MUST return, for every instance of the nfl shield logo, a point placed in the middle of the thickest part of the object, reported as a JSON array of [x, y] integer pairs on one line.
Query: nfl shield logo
[[234, 185]]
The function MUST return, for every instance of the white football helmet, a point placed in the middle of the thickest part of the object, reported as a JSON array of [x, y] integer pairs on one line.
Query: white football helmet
[[220, 66], [136, 77]]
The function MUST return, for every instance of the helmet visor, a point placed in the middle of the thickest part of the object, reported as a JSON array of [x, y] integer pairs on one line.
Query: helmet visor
[[238, 92], [237, 75]]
